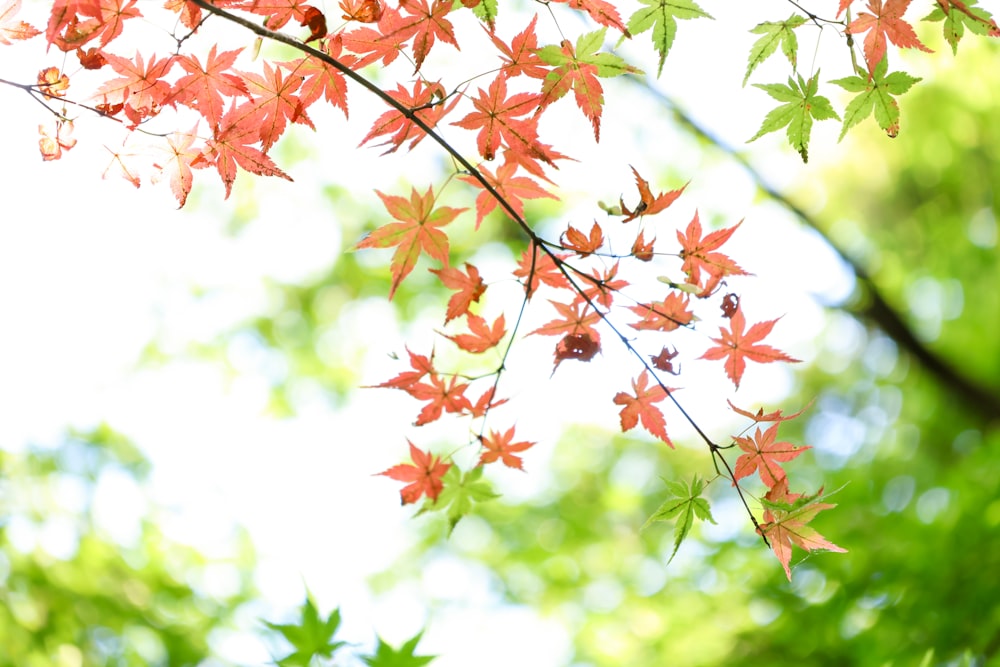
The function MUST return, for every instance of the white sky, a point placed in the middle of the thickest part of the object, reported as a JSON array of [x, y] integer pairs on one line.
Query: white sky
[[91, 270]]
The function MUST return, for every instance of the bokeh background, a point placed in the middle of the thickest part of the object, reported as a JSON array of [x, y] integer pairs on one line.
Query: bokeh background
[[185, 450]]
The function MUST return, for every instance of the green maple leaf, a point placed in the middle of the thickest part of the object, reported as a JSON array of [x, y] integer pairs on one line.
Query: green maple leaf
[[461, 491], [775, 33], [684, 503], [801, 106], [661, 16], [976, 19], [312, 636], [875, 94], [387, 656]]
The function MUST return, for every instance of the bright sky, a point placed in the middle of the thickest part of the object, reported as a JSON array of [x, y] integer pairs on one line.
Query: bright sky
[[92, 270]]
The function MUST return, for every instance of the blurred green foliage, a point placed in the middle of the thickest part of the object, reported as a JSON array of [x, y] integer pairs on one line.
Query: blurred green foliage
[[71, 595]]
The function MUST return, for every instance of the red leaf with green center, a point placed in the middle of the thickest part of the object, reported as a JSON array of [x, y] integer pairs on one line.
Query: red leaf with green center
[[417, 231], [784, 528]]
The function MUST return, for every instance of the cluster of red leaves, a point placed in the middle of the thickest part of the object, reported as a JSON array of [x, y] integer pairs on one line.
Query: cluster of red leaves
[[240, 114]]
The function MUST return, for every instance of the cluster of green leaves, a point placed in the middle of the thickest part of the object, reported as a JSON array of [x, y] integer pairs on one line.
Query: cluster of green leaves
[[312, 639]]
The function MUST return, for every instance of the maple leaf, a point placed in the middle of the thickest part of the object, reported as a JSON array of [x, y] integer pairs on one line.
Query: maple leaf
[[875, 93], [784, 527], [664, 361], [685, 503], [520, 57], [278, 12], [583, 245], [461, 491], [602, 12], [204, 86], [431, 25], [601, 287], [322, 79], [52, 83], [763, 455], [774, 34], [577, 318], [640, 407], [417, 230], [759, 416], [470, 288], [386, 43], [486, 403], [112, 16], [364, 11], [844, 4], [661, 16], [801, 106], [443, 397], [274, 104], [189, 13], [312, 636], [513, 189], [421, 366], [482, 337], [649, 204], [885, 21], [13, 29], [177, 167], [142, 89], [427, 99], [699, 255], [642, 250], [496, 119], [424, 475], [387, 656], [65, 28], [666, 315], [581, 346], [578, 69], [231, 147], [736, 347], [497, 446], [51, 146], [536, 267], [956, 16]]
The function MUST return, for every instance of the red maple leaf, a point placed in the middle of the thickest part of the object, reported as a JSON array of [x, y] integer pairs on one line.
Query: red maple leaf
[[486, 403], [278, 12], [417, 231], [513, 189], [427, 99], [113, 14], [274, 105], [763, 455], [736, 347], [885, 21], [783, 528], [641, 250], [431, 25], [496, 119], [386, 43], [601, 287], [601, 11], [520, 57], [321, 79], [576, 318], [482, 337], [497, 446], [648, 203], [699, 255], [665, 315], [469, 286], [424, 475], [231, 146], [10, 27], [759, 416], [640, 407], [204, 86], [442, 396], [142, 89], [421, 366], [189, 13]]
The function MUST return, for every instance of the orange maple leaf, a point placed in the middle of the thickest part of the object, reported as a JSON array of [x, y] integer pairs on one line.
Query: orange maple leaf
[[424, 475], [640, 407], [10, 27], [469, 286], [483, 336], [648, 203], [763, 455], [496, 118], [520, 57], [583, 245], [421, 366], [417, 231], [699, 255], [443, 397], [885, 21], [513, 189], [782, 528], [497, 446], [736, 347], [665, 315], [204, 86]]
